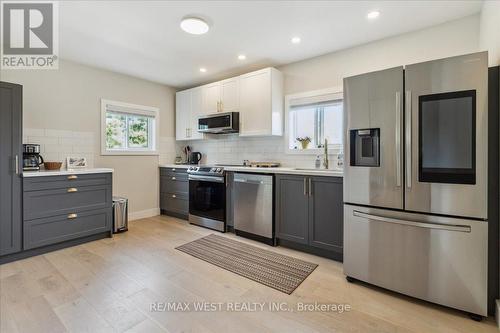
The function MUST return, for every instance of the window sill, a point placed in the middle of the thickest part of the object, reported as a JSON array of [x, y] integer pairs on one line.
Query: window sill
[[130, 153], [315, 151]]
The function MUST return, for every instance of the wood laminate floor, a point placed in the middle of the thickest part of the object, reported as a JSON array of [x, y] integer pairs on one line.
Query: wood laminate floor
[[110, 284]]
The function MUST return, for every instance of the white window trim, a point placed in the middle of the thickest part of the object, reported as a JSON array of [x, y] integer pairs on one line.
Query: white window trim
[[131, 109], [333, 149]]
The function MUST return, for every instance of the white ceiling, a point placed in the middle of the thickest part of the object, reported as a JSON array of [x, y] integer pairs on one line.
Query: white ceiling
[[143, 38]]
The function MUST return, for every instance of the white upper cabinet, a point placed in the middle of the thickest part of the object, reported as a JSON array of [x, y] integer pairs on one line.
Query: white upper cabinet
[[196, 111], [211, 98], [187, 109], [229, 95], [257, 96], [182, 114], [261, 103]]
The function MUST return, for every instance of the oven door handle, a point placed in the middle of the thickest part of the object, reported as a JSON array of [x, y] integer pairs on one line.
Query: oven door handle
[[207, 178]]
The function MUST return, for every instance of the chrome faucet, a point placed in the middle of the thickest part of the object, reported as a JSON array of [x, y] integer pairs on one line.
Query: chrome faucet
[[325, 157]]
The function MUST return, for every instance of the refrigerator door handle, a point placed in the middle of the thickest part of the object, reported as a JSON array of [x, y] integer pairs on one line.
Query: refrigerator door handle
[[398, 139], [439, 226], [408, 137]]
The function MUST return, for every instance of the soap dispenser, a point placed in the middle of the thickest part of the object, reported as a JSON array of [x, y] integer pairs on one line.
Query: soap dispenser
[[317, 164]]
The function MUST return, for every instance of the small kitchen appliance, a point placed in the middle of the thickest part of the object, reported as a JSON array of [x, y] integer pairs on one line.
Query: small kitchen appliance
[[194, 157], [31, 157], [220, 123]]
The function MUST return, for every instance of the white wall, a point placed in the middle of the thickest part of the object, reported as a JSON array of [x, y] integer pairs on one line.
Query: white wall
[[62, 112], [490, 31], [449, 39]]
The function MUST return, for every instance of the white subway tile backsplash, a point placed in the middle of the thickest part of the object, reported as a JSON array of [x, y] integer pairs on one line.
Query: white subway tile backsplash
[[234, 149], [57, 148], [58, 133], [43, 140]]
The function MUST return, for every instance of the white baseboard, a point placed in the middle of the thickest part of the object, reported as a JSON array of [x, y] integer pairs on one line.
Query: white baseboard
[[143, 214], [497, 312]]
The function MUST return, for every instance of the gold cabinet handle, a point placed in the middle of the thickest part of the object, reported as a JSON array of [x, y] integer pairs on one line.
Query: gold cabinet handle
[[72, 177], [72, 216], [174, 196], [72, 190]]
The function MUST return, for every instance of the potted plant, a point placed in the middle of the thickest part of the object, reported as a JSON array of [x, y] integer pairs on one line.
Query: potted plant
[[304, 141]]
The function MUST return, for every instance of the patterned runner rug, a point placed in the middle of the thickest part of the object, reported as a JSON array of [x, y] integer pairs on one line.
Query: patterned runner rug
[[277, 271]]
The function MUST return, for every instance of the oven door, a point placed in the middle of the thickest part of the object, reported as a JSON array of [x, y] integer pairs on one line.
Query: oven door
[[207, 197], [446, 136]]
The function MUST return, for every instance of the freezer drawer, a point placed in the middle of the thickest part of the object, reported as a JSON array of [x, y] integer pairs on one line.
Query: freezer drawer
[[438, 259]]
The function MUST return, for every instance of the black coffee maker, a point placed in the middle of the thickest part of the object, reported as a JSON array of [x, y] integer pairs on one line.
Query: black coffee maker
[[31, 157]]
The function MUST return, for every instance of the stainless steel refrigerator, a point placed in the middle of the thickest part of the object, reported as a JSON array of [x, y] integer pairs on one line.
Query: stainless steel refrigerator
[[415, 182]]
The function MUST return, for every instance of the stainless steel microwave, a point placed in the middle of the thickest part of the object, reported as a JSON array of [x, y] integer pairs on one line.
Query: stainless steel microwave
[[219, 123]]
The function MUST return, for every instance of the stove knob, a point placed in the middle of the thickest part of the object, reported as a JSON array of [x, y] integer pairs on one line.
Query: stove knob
[[219, 170]]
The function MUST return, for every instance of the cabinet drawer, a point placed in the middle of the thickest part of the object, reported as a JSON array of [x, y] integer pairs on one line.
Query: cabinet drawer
[[51, 230], [173, 185], [172, 171], [77, 180], [174, 203], [39, 204]]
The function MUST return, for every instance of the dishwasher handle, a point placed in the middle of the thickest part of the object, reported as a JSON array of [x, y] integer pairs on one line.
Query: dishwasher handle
[[255, 182]]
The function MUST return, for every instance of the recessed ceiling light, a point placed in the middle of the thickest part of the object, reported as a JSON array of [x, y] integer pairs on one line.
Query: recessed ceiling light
[[203, 69], [194, 25], [296, 40], [242, 57], [373, 14]]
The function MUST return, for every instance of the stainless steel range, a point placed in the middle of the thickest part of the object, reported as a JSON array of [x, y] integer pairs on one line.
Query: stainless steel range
[[207, 197], [415, 181]]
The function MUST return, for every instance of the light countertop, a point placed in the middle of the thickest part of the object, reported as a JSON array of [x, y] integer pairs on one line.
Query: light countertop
[[278, 170], [63, 172]]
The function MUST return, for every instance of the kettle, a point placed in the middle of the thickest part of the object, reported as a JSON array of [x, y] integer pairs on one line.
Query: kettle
[[194, 157]]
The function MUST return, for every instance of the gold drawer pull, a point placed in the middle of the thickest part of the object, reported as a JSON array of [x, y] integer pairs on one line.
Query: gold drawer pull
[[72, 177], [173, 178], [72, 190], [72, 216], [174, 196]]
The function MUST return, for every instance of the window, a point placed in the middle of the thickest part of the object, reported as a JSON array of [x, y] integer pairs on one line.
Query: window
[[313, 117], [128, 129]]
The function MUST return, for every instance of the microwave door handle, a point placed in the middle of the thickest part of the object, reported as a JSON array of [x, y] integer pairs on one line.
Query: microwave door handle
[[408, 138], [398, 139]]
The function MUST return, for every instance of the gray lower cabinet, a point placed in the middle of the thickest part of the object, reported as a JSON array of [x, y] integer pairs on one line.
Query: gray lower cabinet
[[174, 192], [10, 160], [326, 213], [292, 208], [309, 211], [62, 208]]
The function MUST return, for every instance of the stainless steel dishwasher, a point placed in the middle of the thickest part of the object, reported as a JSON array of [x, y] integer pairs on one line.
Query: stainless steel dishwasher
[[253, 207]]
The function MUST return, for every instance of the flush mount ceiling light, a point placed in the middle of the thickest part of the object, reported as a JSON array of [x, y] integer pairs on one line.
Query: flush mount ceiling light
[[194, 25], [296, 40], [242, 57], [203, 70], [373, 15]]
